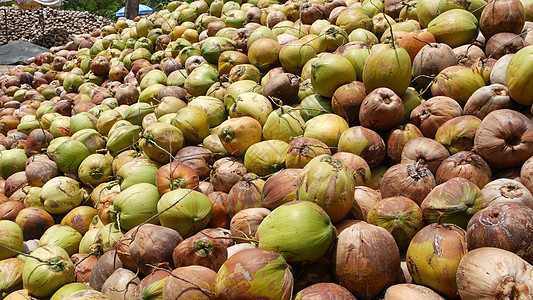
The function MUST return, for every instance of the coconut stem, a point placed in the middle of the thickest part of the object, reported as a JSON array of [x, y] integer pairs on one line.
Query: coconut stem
[[24, 254], [467, 156]]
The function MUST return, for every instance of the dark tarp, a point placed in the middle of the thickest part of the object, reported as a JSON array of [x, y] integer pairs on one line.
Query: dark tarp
[[16, 52]]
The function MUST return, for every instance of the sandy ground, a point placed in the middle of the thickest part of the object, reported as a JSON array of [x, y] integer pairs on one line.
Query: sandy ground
[[5, 68]]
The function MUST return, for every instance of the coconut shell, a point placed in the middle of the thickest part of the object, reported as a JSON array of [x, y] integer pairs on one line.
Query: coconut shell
[[104, 267], [411, 180]]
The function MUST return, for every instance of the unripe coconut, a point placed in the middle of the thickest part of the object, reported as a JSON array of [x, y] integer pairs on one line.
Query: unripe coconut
[[453, 202], [301, 231], [457, 82], [315, 181], [519, 76], [60, 195], [327, 128], [329, 72], [387, 66], [268, 276], [43, 279], [10, 237], [191, 213], [454, 27]]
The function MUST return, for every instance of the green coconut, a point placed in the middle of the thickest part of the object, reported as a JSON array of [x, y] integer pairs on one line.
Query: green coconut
[[266, 276], [61, 194], [185, 211], [60, 126], [454, 27], [91, 138], [387, 66], [266, 157], [212, 47], [135, 113], [253, 105], [83, 120], [519, 76], [106, 237], [294, 55], [200, 79], [326, 128], [123, 138], [10, 237], [193, 123], [301, 231], [453, 202], [327, 182], [433, 257], [285, 123], [69, 155], [48, 269], [213, 107], [12, 161], [63, 236], [68, 289], [329, 72], [135, 205], [235, 89], [137, 171], [160, 141], [95, 169]]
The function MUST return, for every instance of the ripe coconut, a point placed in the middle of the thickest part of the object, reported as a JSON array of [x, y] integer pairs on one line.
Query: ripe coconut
[[367, 247], [430, 115], [488, 273], [504, 138], [504, 226], [437, 271], [411, 180]]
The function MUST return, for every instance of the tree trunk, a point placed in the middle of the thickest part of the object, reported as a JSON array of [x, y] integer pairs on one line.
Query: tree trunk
[[132, 9]]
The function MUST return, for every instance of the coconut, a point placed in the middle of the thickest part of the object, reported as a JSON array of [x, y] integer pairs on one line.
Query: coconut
[[185, 211], [491, 272], [11, 238], [191, 282], [275, 232], [466, 79], [283, 124], [120, 284], [467, 165], [135, 205], [60, 195], [266, 157], [487, 99], [313, 184], [437, 271], [246, 193], [364, 142], [507, 190], [501, 225], [329, 72], [380, 102], [518, 77], [395, 75], [458, 134], [11, 269], [453, 202], [269, 276], [63, 236], [411, 180], [374, 248], [104, 267], [502, 132], [397, 139], [152, 245], [425, 151], [454, 27], [207, 248], [324, 289], [43, 279]]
